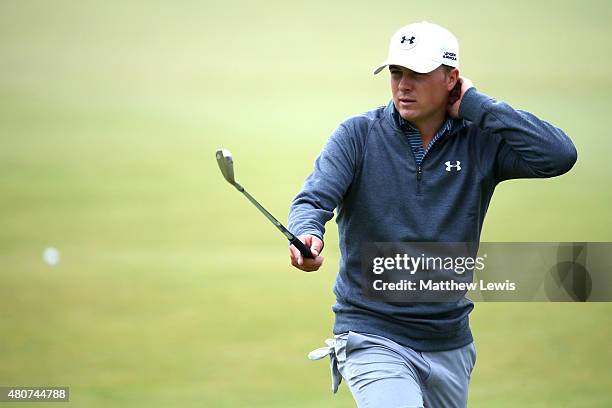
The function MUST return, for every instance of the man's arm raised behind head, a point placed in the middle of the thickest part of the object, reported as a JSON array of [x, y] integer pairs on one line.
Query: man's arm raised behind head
[[525, 146]]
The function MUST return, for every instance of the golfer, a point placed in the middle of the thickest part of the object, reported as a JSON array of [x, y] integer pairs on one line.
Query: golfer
[[421, 169]]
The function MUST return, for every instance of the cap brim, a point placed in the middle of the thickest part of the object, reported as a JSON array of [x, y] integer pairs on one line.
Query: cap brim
[[422, 66]]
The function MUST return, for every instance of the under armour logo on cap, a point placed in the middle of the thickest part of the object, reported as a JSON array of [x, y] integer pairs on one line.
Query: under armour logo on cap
[[450, 166], [449, 55], [407, 40]]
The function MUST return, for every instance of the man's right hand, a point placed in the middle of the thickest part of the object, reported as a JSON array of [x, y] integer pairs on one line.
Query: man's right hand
[[305, 264], [456, 96]]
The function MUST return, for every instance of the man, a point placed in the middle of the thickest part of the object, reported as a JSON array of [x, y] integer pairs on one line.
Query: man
[[421, 169]]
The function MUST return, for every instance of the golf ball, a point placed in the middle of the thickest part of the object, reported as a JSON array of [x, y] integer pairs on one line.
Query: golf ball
[[51, 256]]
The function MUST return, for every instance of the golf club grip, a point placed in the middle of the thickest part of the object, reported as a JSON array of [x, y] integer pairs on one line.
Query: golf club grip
[[302, 248]]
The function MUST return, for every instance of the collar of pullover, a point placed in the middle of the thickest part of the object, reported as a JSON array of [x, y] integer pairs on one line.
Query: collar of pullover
[[402, 124], [413, 134]]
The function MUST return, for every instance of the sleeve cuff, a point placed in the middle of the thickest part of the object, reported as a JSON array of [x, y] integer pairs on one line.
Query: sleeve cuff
[[471, 105]]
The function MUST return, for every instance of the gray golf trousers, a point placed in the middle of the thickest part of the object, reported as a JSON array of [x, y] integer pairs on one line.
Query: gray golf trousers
[[383, 374]]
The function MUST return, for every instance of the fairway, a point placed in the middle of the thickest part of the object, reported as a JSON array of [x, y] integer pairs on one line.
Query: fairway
[[172, 289]]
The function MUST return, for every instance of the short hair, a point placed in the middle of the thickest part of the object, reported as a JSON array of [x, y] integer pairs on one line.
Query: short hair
[[447, 69]]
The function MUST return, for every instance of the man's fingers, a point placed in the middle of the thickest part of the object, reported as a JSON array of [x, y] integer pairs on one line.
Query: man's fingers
[[307, 264], [300, 258], [293, 252], [316, 246], [308, 267], [313, 264], [294, 263]]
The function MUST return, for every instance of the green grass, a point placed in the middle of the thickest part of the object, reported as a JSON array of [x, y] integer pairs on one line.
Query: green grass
[[172, 290]]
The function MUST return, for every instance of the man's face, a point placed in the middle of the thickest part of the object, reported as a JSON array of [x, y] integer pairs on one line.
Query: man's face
[[421, 97]]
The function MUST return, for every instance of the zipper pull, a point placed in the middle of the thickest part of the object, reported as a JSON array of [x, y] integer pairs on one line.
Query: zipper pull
[[419, 173]]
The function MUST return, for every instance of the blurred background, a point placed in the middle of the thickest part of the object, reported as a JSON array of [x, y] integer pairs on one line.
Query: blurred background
[[171, 289]]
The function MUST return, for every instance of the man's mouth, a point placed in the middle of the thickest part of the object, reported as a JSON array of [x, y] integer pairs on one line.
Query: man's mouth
[[407, 100]]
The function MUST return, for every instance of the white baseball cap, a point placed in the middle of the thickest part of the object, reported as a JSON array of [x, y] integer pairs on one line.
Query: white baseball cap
[[422, 47]]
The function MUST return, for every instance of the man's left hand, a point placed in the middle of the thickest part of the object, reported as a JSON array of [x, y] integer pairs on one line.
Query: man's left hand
[[456, 96]]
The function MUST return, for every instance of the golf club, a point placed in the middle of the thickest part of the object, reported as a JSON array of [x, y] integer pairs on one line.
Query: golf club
[[226, 165]]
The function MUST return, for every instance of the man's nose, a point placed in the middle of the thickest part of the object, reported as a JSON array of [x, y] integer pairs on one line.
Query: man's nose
[[407, 83]]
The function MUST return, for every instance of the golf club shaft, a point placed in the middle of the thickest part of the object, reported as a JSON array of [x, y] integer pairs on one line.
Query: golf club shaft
[[295, 241]]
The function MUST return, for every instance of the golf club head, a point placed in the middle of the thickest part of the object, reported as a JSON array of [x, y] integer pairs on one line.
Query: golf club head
[[226, 165]]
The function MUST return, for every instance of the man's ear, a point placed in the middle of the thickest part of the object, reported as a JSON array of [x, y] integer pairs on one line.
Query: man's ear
[[451, 79]]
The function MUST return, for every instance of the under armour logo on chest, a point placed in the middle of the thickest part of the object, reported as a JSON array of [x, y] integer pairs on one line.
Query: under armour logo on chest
[[410, 40], [456, 166]]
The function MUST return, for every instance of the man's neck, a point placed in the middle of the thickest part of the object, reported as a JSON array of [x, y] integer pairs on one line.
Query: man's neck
[[428, 128]]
